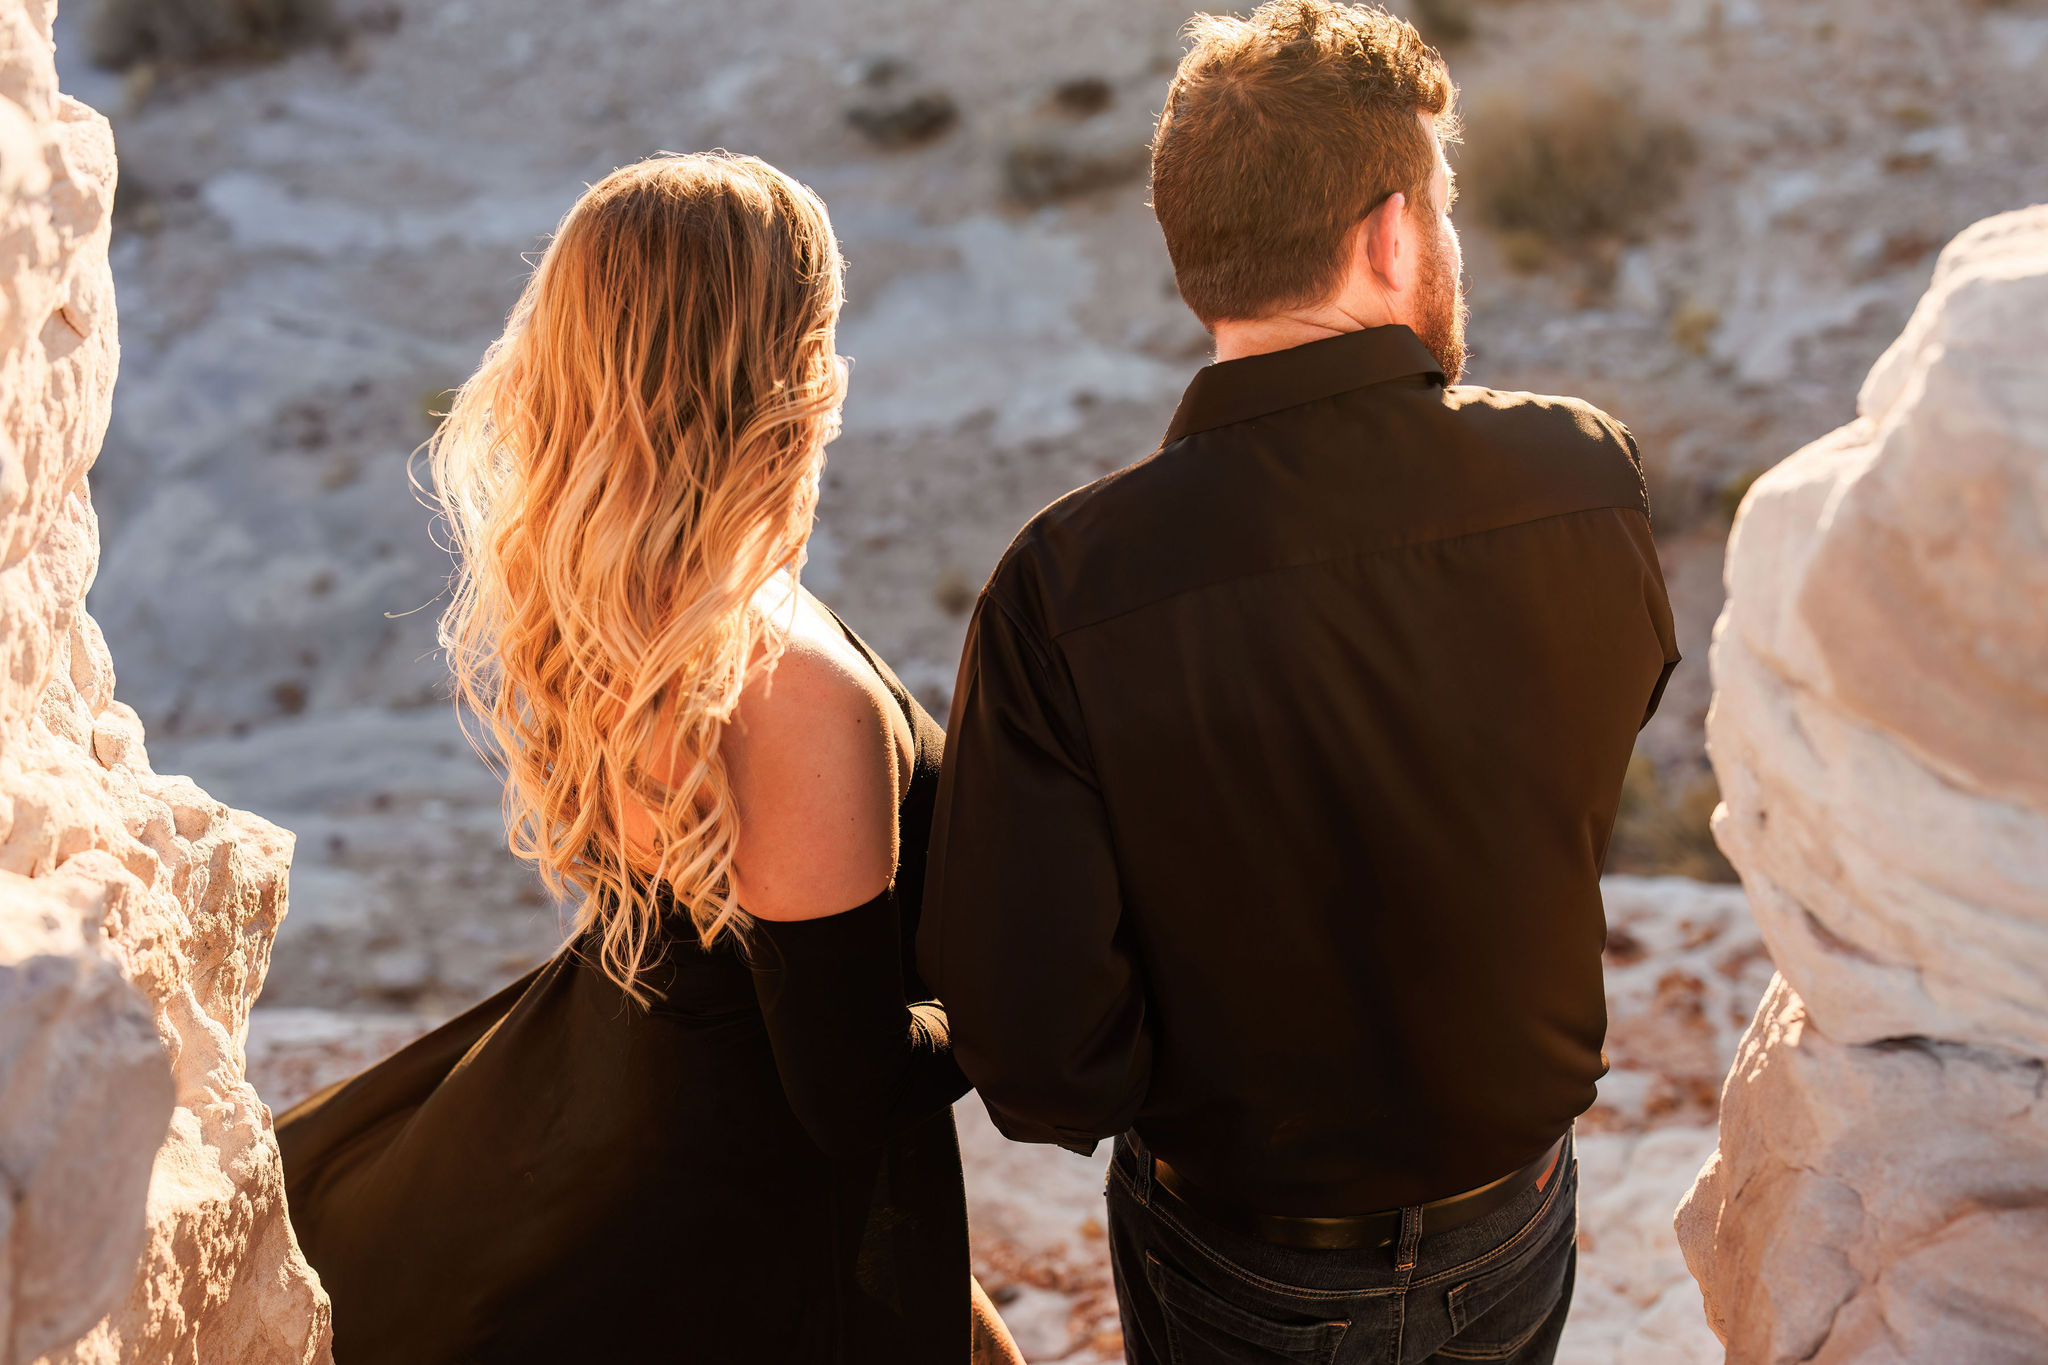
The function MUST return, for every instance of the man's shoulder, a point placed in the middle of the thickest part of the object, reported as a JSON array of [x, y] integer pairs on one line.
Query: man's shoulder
[[1123, 506], [1209, 506], [1543, 423]]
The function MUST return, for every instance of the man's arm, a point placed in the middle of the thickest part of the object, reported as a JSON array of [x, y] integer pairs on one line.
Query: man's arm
[[1021, 934], [1655, 599]]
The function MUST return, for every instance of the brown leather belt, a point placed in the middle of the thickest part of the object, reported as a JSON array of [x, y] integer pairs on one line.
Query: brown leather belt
[[1359, 1230]]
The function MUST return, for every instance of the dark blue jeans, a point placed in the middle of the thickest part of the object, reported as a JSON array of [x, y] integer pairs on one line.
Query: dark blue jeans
[[1193, 1293]]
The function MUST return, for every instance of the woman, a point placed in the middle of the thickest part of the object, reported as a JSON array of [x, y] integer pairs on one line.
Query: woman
[[711, 1128]]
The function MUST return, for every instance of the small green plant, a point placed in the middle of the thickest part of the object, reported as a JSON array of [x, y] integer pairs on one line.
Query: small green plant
[[1581, 164], [1728, 497], [121, 33], [434, 406], [1662, 827], [954, 593], [1527, 253], [1693, 326]]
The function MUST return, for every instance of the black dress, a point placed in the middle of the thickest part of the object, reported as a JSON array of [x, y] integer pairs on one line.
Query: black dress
[[759, 1167]]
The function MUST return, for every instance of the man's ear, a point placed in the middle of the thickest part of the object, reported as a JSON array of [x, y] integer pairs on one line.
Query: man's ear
[[1384, 247]]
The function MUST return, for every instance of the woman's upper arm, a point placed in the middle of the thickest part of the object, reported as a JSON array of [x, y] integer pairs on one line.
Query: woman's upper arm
[[811, 758]]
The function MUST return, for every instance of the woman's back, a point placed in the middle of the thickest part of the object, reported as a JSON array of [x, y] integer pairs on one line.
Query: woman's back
[[714, 1125], [561, 1173], [817, 757]]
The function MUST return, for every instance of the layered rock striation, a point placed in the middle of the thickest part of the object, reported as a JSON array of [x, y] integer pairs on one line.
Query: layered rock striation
[[1880, 731], [142, 1211]]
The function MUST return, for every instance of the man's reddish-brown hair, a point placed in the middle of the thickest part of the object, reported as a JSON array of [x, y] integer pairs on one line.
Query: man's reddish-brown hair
[[1281, 131]]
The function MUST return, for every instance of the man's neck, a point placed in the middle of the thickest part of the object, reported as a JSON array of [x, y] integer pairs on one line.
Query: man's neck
[[1240, 337]]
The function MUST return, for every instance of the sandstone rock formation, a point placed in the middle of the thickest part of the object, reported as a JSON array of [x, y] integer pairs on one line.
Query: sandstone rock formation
[[1880, 730], [141, 1199]]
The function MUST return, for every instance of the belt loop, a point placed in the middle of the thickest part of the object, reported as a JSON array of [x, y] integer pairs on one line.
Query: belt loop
[[1141, 1166], [1411, 1239]]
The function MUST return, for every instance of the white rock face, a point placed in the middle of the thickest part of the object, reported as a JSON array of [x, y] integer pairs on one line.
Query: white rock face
[[141, 1198], [1880, 730]]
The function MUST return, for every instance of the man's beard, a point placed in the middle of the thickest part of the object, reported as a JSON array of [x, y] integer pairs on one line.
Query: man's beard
[[1441, 327]]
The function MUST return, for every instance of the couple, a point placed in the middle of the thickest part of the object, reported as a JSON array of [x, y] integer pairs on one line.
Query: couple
[[1266, 839]]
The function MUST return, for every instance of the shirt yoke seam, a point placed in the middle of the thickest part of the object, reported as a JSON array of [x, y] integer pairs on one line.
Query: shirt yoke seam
[[1340, 556]]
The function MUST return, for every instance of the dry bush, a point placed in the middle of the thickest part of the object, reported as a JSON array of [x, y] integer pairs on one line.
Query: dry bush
[[908, 120], [895, 111], [1046, 168], [119, 33], [1693, 325], [1728, 495], [1443, 23], [1582, 164], [1662, 827], [1083, 96]]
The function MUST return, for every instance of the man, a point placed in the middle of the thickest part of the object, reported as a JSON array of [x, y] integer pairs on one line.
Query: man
[[1283, 763]]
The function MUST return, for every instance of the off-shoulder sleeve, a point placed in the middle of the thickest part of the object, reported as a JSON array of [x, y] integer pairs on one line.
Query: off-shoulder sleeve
[[858, 1061]]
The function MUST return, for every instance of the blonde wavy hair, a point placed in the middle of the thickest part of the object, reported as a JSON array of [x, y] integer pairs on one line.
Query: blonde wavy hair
[[637, 457]]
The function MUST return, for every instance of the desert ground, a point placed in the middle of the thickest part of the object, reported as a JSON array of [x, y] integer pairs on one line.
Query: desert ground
[[1708, 216]]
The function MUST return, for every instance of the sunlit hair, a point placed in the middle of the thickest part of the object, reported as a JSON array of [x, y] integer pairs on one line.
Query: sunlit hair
[[636, 457], [1281, 130]]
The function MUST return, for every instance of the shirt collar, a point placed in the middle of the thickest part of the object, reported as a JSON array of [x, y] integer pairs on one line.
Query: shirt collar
[[1251, 386]]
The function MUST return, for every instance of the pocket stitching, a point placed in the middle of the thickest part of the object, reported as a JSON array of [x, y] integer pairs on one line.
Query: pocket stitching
[[1512, 1245], [1459, 1324], [1162, 1278], [1166, 1318], [1501, 1352]]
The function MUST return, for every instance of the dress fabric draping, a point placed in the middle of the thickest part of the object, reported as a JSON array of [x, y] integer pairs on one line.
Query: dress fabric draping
[[761, 1166]]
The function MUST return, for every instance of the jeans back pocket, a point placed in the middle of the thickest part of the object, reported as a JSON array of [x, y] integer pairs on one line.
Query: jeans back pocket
[[1498, 1313], [1204, 1328]]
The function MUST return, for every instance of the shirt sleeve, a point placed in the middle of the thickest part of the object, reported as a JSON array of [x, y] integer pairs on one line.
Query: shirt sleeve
[[1656, 599], [1022, 934], [858, 1062]]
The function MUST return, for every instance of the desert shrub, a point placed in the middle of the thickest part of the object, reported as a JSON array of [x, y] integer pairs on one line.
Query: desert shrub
[[895, 113], [1083, 96], [1044, 169], [916, 118], [1733, 489], [1693, 325], [954, 592], [1584, 163], [1663, 825], [119, 33], [1445, 23]]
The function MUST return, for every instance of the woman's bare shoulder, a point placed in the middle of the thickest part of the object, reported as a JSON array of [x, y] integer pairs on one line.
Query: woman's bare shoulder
[[811, 755]]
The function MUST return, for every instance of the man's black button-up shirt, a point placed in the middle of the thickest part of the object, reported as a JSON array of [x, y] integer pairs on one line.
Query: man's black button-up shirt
[[1280, 774]]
